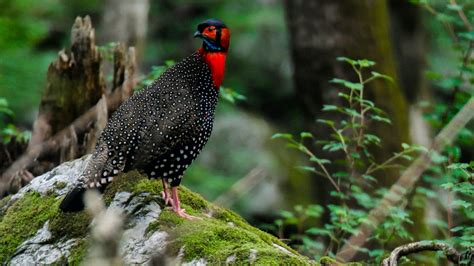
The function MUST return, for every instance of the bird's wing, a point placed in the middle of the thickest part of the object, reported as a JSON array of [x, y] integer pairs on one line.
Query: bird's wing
[[144, 127]]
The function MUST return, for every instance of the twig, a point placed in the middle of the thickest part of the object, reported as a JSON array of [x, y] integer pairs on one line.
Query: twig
[[463, 17], [241, 187], [406, 182], [451, 253]]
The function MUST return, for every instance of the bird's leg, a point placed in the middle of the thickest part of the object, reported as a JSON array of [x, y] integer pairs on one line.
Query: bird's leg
[[166, 193], [177, 206]]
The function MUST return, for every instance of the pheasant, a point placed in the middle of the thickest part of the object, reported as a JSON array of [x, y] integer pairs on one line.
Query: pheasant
[[161, 129]]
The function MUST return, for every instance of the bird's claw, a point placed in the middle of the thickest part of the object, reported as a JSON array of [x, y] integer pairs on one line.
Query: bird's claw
[[166, 197], [182, 213]]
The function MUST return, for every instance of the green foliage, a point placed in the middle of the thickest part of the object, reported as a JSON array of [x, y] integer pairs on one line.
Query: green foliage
[[23, 219], [23, 25], [9, 131], [231, 95], [353, 189], [155, 73], [453, 173]]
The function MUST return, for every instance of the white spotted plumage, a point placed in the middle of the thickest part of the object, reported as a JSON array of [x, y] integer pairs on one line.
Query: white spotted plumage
[[159, 130]]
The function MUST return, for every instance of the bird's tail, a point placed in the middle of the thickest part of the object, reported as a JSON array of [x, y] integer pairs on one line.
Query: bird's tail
[[74, 200]]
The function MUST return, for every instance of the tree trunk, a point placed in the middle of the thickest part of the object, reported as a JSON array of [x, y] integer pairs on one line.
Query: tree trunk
[[71, 116], [74, 84], [322, 30], [126, 21]]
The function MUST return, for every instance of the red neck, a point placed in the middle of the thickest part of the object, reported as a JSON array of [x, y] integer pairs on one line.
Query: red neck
[[216, 62]]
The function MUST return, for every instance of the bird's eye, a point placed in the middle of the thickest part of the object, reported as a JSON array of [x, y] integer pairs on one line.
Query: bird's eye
[[210, 29]]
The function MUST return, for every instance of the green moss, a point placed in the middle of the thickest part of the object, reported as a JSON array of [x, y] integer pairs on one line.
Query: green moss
[[132, 182], [274, 257], [230, 216], [23, 219], [3, 203], [216, 240], [78, 252], [191, 199], [168, 220], [152, 186], [69, 225], [123, 182]]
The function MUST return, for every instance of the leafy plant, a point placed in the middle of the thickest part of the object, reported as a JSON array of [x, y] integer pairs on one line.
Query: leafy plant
[[353, 188], [448, 185], [8, 131]]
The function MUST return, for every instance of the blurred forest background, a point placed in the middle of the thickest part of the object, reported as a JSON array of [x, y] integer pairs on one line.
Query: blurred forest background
[[282, 57]]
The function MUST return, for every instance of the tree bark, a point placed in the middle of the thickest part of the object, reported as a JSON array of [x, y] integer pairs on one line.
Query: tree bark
[[126, 22], [71, 116], [74, 83]]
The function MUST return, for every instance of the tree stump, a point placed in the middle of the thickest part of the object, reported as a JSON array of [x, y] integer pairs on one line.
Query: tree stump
[[75, 105]]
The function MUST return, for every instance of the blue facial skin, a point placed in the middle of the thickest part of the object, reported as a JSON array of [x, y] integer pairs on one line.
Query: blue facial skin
[[210, 45]]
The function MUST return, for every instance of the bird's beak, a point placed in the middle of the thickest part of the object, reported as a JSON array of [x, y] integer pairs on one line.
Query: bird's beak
[[198, 34]]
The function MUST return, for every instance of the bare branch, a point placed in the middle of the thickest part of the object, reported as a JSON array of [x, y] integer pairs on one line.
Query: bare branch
[[241, 187], [80, 125], [451, 253]]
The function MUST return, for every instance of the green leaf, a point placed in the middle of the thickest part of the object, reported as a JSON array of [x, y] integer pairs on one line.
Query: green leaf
[[318, 231], [355, 155], [438, 158], [458, 166], [462, 203], [369, 178], [329, 108], [307, 168], [347, 84], [231, 95], [365, 63], [327, 122], [454, 7], [467, 35], [335, 146], [448, 185], [346, 59], [378, 75], [287, 214], [351, 112], [317, 160], [341, 174], [278, 222], [306, 135], [457, 228], [344, 95], [314, 211], [282, 136], [381, 119], [372, 138]]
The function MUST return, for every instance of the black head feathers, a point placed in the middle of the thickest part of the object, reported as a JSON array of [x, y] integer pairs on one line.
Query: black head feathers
[[211, 22]]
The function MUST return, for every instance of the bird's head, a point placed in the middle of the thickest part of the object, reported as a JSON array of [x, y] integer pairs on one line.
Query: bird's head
[[214, 34]]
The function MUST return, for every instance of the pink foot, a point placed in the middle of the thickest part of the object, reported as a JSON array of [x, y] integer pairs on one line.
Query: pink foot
[[182, 213], [165, 194], [177, 206]]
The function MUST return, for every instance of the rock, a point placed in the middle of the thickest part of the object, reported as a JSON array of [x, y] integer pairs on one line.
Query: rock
[[34, 231]]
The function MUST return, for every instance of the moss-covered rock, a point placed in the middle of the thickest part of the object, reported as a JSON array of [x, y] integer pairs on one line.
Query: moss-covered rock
[[32, 229]]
